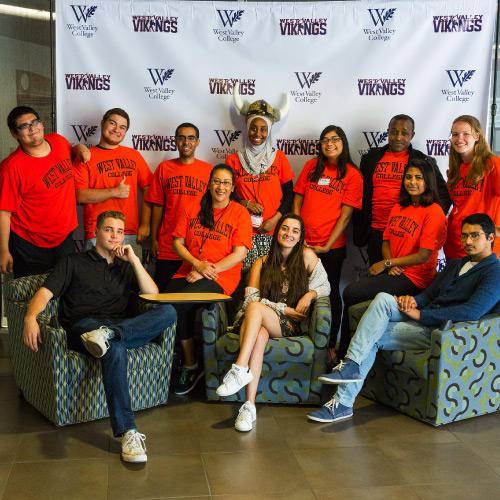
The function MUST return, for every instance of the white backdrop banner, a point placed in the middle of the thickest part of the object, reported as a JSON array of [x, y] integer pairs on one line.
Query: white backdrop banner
[[354, 64]]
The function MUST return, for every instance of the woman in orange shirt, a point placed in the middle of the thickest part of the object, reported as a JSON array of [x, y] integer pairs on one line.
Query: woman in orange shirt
[[415, 232], [327, 191], [473, 181]]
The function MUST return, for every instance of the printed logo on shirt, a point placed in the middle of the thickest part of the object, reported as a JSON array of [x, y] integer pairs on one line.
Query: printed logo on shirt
[[241, 172], [306, 147], [226, 138], [459, 92], [159, 76], [400, 226], [154, 24], [464, 188], [389, 170], [58, 174], [438, 147], [225, 86], [87, 81], [83, 132], [382, 21], [457, 23], [185, 185], [373, 140], [117, 167], [332, 185], [306, 79], [220, 229], [144, 142], [381, 86], [303, 27], [82, 14], [228, 18]]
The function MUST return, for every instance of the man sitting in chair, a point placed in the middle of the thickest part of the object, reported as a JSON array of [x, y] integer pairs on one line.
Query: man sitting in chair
[[465, 290], [95, 290]]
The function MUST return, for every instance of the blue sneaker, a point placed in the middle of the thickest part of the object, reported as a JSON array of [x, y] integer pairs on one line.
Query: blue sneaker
[[345, 372], [333, 411]]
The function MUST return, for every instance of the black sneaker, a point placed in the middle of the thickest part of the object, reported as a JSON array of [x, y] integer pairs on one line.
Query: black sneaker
[[189, 379]]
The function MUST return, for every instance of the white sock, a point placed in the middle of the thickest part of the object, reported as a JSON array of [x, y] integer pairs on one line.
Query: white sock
[[242, 368], [193, 367]]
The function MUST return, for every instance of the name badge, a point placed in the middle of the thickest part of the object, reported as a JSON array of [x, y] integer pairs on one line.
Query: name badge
[[324, 182], [257, 220]]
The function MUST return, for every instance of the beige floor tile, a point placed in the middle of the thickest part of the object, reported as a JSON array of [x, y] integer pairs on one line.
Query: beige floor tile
[[6, 368], [9, 444], [13, 415], [483, 491], [483, 428], [288, 495], [166, 438], [165, 475], [398, 428], [8, 389], [66, 479], [217, 437], [4, 474], [173, 410], [256, 472], [363, 466], [215, 410], [89, 440], [277, 410], [301, 433], [376, 493], [438, 463], [488, 451]]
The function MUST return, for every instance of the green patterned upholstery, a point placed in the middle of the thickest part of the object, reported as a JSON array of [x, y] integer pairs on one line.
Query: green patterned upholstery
[[457, 378], [66, 386], [291, 365]]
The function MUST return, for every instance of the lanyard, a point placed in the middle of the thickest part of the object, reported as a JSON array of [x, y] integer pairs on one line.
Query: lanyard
[[204, 238]]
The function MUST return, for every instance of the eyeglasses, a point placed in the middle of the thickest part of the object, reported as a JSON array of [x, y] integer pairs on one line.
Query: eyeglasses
[[473, 236], [189, 138], [27, 126], [226, 184], [333, 140]]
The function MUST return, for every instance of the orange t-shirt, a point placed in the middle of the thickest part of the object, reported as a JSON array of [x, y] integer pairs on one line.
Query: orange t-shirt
[[468, 200], [106, 169], [265, 188], [411, 228], [387, 179], [175, 186], [323, 200], [233, 227], [40, 193]]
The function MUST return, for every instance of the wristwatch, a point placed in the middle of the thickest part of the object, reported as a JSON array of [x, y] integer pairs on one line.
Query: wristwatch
[[388, 263]]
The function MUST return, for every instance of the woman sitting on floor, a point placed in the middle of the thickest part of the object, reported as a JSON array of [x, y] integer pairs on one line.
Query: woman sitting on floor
[[282, 286]]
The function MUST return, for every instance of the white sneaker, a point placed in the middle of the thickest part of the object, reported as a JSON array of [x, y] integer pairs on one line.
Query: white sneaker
[[234, 380], [133, 447], [96, 341], [246, 416]]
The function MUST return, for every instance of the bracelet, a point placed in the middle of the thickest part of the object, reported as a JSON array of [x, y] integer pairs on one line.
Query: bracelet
[[246, 204]]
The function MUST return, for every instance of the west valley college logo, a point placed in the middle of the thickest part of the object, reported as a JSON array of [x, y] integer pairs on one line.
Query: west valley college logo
[[457, 23], [381, 30], [159, 76], [459, 92], [82, 14], [226, 139], [155, 24], [83, 132], [228, 19], [373, 140], [306, 80], [303, 27]]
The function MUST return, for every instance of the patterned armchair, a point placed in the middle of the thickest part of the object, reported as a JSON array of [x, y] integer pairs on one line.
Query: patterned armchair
[[457, 378], [291, 365], [66, 386]]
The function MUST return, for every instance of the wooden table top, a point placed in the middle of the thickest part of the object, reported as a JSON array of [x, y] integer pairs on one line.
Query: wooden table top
[[185, 297]]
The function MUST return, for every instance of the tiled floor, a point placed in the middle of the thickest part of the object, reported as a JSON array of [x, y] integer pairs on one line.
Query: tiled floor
[[194, 452]]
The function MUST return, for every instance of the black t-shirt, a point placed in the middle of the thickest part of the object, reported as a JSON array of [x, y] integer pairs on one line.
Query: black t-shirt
[[89, 287]]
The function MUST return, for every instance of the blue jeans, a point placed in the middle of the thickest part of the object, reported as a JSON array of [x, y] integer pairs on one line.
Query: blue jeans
[[382, 326], [132, 332]]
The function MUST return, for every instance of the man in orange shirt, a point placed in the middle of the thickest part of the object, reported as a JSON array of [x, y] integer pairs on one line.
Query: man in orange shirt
[[382, 170], [109, 182], [176, 184]]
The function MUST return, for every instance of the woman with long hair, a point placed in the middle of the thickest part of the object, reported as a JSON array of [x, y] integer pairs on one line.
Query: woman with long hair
[[473, 181], [415, 232], [212, 238], [327, 191], [263, 176], [282, 286]]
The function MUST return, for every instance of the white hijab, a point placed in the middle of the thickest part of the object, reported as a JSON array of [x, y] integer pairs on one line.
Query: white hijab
[[257, 159]]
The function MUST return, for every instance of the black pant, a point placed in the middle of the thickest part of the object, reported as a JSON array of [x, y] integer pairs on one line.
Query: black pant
[[30, 259], [366, 289], [332, 262], [165, 269], [186, 311], [374, 247]]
